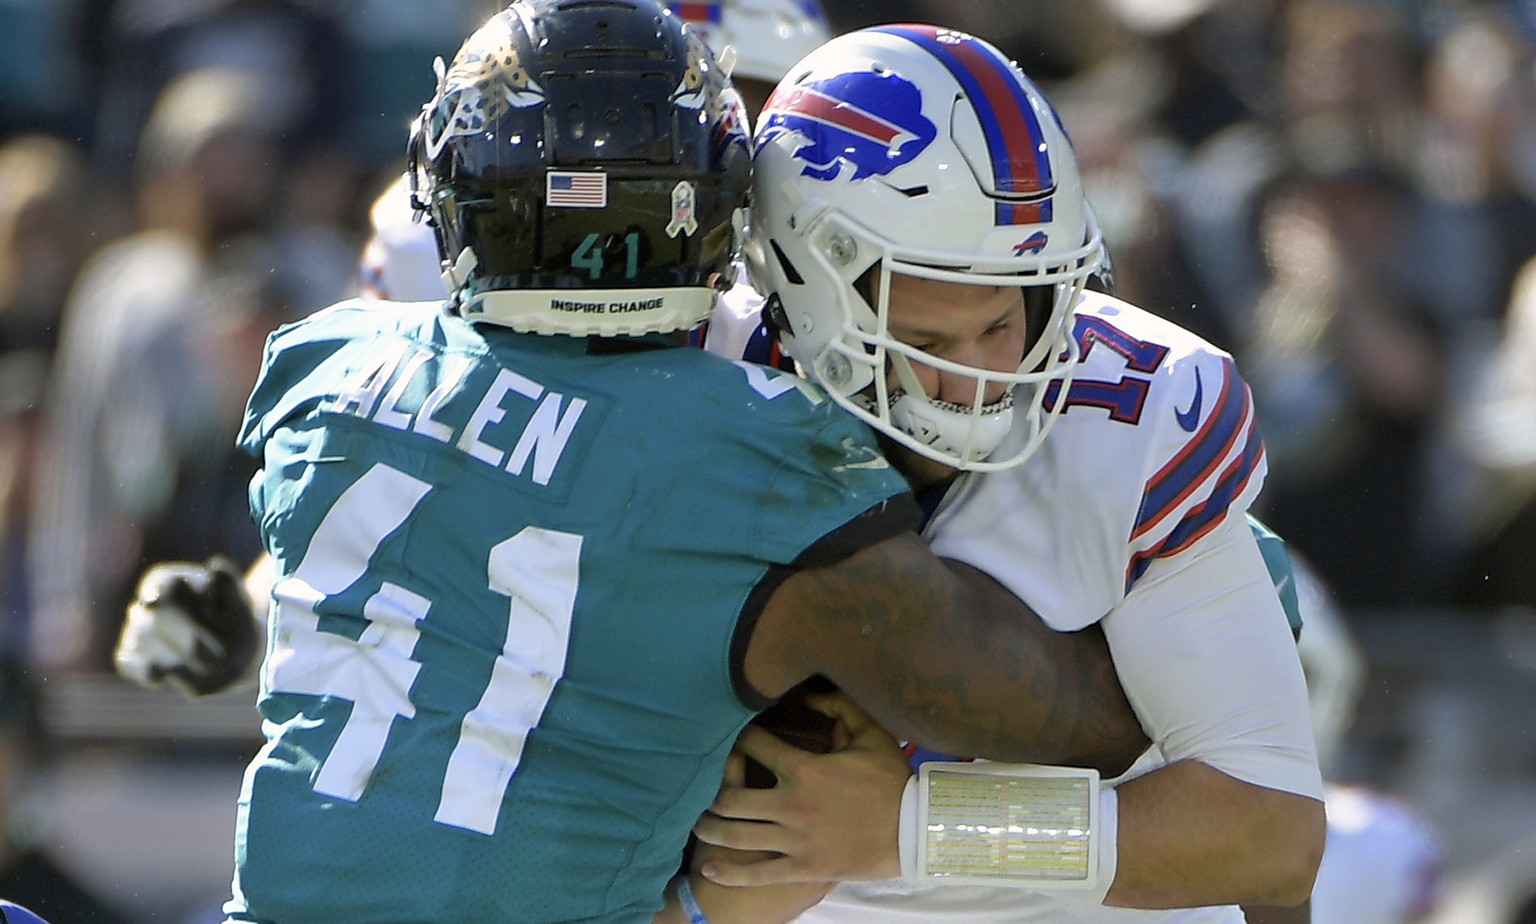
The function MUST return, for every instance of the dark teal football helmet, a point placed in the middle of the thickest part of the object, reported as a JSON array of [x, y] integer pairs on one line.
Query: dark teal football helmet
[[585, 164]]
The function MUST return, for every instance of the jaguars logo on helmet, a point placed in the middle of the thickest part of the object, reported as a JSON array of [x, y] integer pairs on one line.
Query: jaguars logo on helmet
[[486, 79]]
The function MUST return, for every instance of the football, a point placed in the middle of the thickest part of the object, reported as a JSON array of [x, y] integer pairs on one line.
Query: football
[[797, 724]]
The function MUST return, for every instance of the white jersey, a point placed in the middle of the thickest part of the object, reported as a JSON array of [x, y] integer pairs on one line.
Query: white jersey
[[1131, 515], [400, 261]]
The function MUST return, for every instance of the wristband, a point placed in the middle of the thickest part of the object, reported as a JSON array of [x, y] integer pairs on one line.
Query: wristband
[[907, 841], [1108, 849], [1023, 825], [690, 904]]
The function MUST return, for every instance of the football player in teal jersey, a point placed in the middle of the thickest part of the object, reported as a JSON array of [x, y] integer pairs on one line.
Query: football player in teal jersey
[[536, 563]]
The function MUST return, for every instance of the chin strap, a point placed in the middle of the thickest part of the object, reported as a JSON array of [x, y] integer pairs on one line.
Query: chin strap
[[727, 59], [1021, 825], [969, 434], [456, 274]]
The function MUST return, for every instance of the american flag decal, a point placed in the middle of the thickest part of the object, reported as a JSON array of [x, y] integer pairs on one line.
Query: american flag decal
[[576, 190]]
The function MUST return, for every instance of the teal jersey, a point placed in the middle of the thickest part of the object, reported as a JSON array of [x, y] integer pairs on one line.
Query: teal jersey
[[499, 683], [1278, 561]]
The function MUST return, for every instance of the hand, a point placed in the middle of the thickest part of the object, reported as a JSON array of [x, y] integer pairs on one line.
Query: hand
[[190, 625], [723, 905], [831, 817]]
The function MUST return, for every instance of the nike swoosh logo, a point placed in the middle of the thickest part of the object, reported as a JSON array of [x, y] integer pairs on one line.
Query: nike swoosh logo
[[1190, 417], [872, 464], [872, 460]]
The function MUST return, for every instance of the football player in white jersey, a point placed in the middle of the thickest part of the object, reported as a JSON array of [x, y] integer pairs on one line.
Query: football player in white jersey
[[920, 233]]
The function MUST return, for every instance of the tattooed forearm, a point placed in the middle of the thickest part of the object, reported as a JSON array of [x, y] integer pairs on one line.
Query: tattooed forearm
[[1083, 714], [950, 659]]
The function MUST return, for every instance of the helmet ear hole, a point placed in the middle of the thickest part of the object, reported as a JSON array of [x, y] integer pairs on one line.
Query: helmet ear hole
[[786, 264], [1039, 302], [865, 284]]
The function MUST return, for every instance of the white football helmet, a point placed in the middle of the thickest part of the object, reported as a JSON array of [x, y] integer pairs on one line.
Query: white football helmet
[[922, 151], [769, 36]]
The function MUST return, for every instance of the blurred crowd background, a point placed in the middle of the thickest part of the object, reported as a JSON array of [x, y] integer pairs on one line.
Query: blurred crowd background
[[1342, 193]]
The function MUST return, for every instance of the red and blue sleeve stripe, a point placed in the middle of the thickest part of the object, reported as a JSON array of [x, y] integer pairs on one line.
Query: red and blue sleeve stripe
[[1200, 457], [1221, 458], [1021, 164]]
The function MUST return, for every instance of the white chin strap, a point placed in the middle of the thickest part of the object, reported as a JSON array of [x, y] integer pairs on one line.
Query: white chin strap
[[956, 431]]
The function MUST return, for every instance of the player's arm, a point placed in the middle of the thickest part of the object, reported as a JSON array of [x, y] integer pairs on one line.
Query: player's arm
[[195, 626], [1237, 820], [1232, 841], [690, 895], [939, 653], [1208, 661]]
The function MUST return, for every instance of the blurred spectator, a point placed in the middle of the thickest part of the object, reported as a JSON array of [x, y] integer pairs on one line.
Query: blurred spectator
[[1217, 57], [1130, 167], [290, 48], [245, 296], [44, 84], [1346, 368], [131, 401], [1311, 231], [1498, 435], [22, 377], [47, 226], [1477, 171], [294, 51], [28, 876], [394, 43], [1314, 108], [1476, 161], [1347, 85]]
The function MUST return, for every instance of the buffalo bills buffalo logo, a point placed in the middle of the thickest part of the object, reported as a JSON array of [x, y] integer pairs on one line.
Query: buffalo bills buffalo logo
[[1033, 244], [869, 123]]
